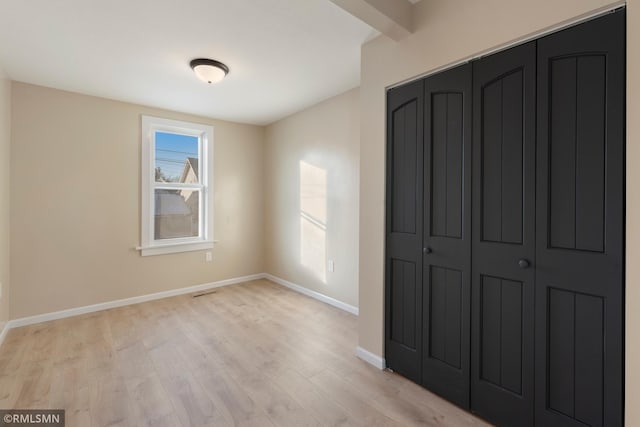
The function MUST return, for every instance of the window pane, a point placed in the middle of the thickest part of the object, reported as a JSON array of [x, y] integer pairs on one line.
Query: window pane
[[176, 158], [176, 213]]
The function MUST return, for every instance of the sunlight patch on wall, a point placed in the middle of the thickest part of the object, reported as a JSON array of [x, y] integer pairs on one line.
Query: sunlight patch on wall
[[313, 219]]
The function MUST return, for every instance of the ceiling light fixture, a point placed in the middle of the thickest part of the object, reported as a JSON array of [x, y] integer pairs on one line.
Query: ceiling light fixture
[[209, 70]]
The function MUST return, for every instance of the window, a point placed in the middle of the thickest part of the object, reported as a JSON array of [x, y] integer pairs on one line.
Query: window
[[176, 199]]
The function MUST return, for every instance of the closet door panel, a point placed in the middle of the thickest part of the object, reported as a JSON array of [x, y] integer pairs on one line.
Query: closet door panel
[[502, 190], [577, 159], [501, 319], [580, 225], [446, 239], [445, 314], [503, 236], [403, 258], [446, 164]]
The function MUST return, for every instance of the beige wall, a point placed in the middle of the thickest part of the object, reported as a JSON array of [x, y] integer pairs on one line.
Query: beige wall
[[447, 31], [75, 203], [632, 342], [5, 137], [312, 169]]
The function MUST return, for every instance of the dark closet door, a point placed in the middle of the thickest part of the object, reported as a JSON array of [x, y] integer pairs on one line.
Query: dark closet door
[[403, 269], [580, 225], [504, 236], [447, 234]]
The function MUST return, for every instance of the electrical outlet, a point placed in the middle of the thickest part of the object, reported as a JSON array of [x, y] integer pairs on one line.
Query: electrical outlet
[[208, 256], [332, 266]]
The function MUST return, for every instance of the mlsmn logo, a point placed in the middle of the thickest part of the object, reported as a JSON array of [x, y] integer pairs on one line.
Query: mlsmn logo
[[39, 417]]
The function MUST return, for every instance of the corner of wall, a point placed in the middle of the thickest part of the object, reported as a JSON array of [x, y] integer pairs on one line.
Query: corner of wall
[[265, 194], [311, 211], [5, 154]]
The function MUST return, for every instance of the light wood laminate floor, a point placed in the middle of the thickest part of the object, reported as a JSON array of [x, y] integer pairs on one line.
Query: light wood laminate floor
[[253, 354]]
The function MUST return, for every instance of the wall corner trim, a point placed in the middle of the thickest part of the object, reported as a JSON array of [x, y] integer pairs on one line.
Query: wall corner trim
[[313, 294], [4, 331], [371, 358]]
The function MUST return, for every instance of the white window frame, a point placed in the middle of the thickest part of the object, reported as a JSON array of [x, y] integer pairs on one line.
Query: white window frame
[[204, 240]]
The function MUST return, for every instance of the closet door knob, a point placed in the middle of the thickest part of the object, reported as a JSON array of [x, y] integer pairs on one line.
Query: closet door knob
[[426, 250], [523, 263]]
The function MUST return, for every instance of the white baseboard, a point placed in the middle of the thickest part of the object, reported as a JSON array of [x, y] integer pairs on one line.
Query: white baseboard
[[371, 358], [24, 321], [313, 294], [3, 333]]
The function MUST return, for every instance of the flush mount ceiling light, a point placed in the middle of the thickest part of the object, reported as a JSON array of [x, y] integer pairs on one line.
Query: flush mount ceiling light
[[209, 70]]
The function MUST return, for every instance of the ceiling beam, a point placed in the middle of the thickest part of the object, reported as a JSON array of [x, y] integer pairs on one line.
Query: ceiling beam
[[391, 17]]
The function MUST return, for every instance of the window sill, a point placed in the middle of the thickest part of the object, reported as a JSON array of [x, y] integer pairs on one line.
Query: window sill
[[172, 248]]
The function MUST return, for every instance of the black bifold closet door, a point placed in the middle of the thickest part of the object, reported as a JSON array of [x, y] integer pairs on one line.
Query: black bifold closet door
[[403, 268], [428, 243], [504, 235], [505, 230], [580, 225], [446, 239]]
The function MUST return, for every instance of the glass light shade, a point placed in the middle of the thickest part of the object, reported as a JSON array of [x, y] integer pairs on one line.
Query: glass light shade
[[209, 73]]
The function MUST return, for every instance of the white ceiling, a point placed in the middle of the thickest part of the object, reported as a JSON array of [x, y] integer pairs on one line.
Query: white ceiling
[[284, 55]]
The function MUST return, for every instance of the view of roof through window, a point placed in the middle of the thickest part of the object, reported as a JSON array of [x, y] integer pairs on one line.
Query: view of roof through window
[[176, 157]]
